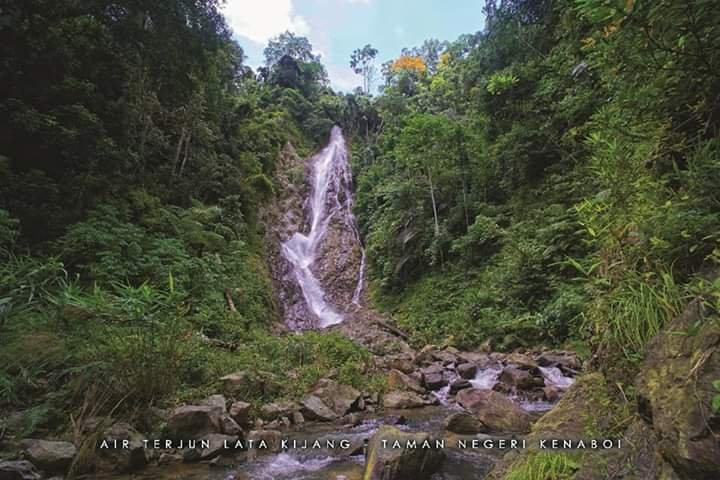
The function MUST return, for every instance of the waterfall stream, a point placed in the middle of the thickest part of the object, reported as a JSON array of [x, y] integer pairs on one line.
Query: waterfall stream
[[330, 200]]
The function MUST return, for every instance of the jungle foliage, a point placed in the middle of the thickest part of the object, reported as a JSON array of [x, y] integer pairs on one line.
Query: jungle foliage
[[549, 179]]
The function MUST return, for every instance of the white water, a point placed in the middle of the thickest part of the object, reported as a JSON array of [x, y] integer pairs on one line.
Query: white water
[[487, 377], [555, 377], [330, 197], [284, 465]]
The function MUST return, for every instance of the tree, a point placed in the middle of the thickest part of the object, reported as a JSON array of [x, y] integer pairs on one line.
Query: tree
[[361, 61], [287, 43]]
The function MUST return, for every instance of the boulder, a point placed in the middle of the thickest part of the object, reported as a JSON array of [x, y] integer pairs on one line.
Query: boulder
[[18, 470], [464, 424], [297, 418], [217, 400], [228, 426], [216, 445], [313, 408], [425, 356], [54, 457], [495, 410], [521, 360], [242, 384], [434, 381], [240, 412], [460, 384], [193, 421], [275, 410], [402, 364], [338, 397], [403, 400], [134, 457], [387, 463], [467, 370], [478, 358], [566, 360], [399, 381], [675, 391], [446, 357], [520, 379]]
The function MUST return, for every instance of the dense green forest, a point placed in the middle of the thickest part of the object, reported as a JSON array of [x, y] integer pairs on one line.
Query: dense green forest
[[550, 180], [137, 149]]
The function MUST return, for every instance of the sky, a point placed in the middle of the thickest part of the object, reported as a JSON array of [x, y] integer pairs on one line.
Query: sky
[[337, 27]]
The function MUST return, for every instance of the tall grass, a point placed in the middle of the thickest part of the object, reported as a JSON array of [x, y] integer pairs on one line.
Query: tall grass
[[635, 311], [543, 466]]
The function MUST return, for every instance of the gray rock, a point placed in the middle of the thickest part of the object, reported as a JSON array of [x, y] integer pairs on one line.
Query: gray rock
[[54, 457], [297, 418], [313, 408], [434, 381], [240, 412], [194, 421], [123, 459], [399, 381], [467, 370], [460, 384], [216, 401], [18, 470], [401, 463], [338, 397], [464, 423], [275, 410], [403, 400], [228, 426], [494, 410], [520, 379]]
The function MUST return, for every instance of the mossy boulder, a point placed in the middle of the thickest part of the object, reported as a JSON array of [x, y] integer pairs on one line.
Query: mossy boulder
[[674, 393]]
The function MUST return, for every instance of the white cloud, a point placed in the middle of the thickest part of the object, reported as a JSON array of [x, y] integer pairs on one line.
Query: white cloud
[[342, 78], [261, 20]]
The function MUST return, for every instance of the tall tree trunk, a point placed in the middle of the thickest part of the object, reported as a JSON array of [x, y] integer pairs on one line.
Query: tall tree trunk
[[187, 152], [434, 205], [464, 192], [178, 149]]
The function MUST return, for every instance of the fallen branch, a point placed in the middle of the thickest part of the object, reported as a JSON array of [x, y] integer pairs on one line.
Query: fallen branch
[[394, 330]]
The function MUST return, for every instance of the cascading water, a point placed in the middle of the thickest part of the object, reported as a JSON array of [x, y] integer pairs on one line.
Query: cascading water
[[329, 208]]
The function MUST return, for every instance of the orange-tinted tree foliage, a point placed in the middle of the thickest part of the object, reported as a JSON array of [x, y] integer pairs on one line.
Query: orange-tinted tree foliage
[[410, 64]]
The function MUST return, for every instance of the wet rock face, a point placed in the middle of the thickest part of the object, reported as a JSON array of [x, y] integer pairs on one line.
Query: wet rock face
[[387, 463], [310, 225], [675, 394], [284, 216]]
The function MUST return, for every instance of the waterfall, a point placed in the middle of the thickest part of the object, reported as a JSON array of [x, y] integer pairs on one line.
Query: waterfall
[[330, 200]]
